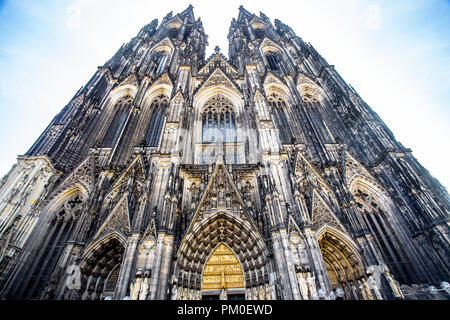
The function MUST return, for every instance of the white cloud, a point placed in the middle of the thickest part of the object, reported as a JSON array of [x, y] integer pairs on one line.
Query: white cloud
[[73, 21], [373, 21]]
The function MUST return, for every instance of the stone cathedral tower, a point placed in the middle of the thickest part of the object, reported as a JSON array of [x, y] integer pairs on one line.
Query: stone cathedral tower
[[263, 175]]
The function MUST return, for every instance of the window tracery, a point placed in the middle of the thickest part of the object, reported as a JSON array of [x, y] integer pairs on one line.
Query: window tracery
[[161, 61], [273, 59], [173, 32], [259, 33], [384, 236], [154, 128], [58, 234], [278, 106], [218, 121], [115, 128]]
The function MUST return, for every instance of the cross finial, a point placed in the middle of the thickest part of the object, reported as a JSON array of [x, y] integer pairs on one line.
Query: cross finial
[[217, 49]]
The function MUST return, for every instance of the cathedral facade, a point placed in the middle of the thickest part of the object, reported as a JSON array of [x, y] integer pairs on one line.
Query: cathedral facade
[[260, 176]]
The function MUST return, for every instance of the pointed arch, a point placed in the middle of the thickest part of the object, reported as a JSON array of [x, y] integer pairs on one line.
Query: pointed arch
[[100, 260], [346, 239], [272, 54], [161, 54], [59, 220], [159, 108], [273, 85], [122, 90], [309, 90], [279, 110], [359, 181], [235, 101], [222, 262], [97, 244], [377, 210], [222, 228], [117, 123], [322, 213], [57, 198], [341, 256]]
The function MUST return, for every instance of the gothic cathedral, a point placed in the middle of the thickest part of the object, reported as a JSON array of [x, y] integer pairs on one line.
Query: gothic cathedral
[[260, 176]]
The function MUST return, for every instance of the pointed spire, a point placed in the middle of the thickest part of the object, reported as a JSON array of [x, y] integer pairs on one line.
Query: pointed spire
[[188, 12], [243, 13]]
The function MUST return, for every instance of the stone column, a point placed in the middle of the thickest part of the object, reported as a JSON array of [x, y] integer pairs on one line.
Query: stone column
[[156, 267], [127, 265], [165, 267], [316, 261]]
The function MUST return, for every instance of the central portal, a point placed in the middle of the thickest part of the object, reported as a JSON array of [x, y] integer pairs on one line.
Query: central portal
[[222, 276]]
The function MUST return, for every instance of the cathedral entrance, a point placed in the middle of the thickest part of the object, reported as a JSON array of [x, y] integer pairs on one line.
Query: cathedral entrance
[[223, 278], [100, 268], [212, 257], [343, 265]]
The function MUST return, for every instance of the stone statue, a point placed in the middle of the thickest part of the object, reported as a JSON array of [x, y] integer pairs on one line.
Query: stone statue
[[332, 296], [144, 289], [135, 289], [262, 292], [174, 292], [311, 285], [248, 294], [303, 286], [254, 293], [395, 286], [373, 285], [268, 295], [367, 290], [223, 295], [185, 294], [355, 292], [362, 290]]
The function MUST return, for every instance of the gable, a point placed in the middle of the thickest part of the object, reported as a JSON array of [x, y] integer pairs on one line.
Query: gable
[[217, 60], [273, 84], [218, 79], [322, 214], [136, 167], [117, 220], [258, 23], [221, 194]]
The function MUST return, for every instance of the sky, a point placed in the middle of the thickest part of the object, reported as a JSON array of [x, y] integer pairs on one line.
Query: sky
[[396, 54]]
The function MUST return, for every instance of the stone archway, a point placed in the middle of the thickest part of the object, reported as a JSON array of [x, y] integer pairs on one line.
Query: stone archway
[[246, 248], [343, 264], [100, 267]]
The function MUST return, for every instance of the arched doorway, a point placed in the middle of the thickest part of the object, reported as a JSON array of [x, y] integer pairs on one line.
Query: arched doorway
[[100, 268], [222, 237], [343, 263], [222, 276]]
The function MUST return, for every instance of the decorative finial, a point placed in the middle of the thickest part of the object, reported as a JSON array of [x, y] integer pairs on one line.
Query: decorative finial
[[217, 49]]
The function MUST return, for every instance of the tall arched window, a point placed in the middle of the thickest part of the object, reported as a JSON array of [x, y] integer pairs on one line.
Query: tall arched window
[[278, 107], [259, 33], [384, 235], [116, 126], [53, 244], [161, 61], [218, 121], [173, 33], [273, 60], [159, 107]]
